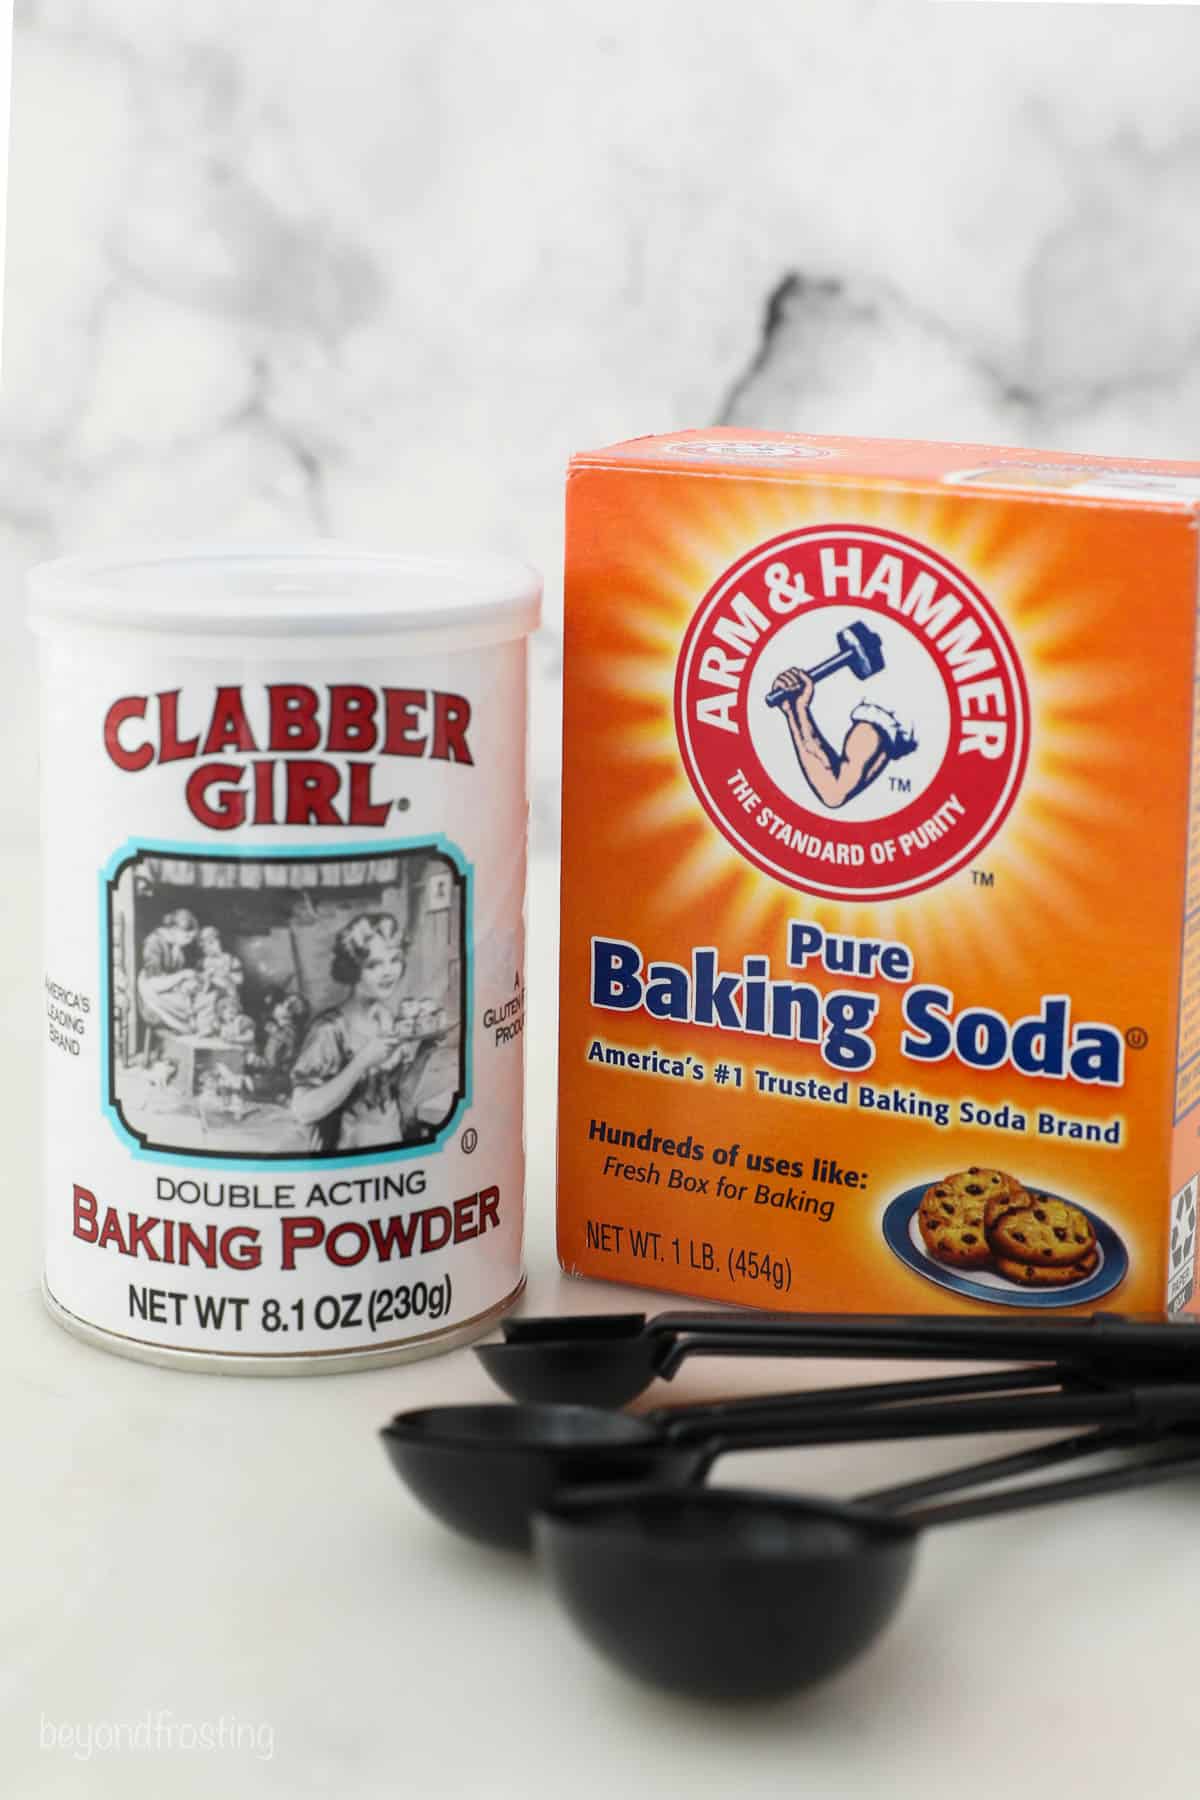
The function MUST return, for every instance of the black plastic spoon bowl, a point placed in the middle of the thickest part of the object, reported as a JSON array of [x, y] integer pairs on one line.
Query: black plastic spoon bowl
[[603, 1361], [608, 1359], [485, 1470], [726, 1594]]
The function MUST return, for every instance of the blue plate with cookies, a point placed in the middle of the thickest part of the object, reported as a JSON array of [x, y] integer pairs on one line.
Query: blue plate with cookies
[[982, 1234]]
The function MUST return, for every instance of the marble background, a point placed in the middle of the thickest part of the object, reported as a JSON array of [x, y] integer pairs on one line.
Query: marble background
[[375, 267]]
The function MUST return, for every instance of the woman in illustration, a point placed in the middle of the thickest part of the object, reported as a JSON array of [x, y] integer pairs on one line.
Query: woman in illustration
[[874, 739], [167, 981], [355, 1080]]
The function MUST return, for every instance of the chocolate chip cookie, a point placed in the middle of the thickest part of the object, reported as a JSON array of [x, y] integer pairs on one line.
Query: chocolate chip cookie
[[952, 1214], [1049, 1275], [1040, 1230]]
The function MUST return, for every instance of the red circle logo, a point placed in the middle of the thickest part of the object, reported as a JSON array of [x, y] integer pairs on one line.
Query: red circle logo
[[851, 712]]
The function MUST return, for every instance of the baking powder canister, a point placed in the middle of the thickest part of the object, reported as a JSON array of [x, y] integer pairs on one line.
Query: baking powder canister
[[285, 817]]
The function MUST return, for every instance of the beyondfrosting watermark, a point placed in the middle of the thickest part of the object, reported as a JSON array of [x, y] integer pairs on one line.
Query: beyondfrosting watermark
[[158, 1733]]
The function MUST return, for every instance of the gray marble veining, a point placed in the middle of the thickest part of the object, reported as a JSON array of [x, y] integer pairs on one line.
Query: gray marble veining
[[375, 270]]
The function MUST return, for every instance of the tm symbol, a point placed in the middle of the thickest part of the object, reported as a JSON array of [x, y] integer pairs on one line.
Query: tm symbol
[[982, 878], [900, 784]]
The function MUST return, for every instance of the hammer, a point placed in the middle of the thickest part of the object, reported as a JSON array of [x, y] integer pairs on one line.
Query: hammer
[[859, 649]]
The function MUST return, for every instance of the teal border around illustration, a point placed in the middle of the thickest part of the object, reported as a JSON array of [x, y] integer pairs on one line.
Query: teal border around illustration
[[434, 841]]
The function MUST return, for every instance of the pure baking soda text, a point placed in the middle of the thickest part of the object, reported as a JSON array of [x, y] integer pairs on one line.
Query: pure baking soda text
[[839, 1021]]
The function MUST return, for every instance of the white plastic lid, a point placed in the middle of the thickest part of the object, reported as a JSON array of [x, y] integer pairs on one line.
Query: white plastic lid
[[319, 590]]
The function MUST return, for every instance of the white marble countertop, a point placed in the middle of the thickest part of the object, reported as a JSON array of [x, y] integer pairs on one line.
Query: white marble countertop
[[182, 1550]]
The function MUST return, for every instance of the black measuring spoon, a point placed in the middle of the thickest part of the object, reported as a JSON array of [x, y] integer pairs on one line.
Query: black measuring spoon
[[607, 1359], [485, 1470], [726, 1594]]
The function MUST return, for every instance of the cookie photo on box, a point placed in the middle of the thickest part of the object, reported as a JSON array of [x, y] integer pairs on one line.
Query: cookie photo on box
[[982, 1233]]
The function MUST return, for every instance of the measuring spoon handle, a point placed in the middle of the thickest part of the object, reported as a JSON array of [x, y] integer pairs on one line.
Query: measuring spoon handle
[[696, 1424], [800, 1341], [1012, 1340], [1149, 1408], [997, 1468], [1161, 1467], [1128, 1346]]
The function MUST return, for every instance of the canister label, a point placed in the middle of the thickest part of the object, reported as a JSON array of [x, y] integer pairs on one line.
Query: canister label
[[285, 994]]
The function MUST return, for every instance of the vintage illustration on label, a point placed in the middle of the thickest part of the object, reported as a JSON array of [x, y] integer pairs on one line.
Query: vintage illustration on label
[[286, 1006]]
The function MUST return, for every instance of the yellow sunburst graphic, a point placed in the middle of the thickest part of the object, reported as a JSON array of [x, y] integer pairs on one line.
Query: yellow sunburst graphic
[[1052, 845]]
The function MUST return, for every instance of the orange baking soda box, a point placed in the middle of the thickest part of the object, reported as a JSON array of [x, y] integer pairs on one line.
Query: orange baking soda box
[[880, 967]]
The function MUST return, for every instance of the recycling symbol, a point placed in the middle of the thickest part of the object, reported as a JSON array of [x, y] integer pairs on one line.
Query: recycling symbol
[[1183, 1229]]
